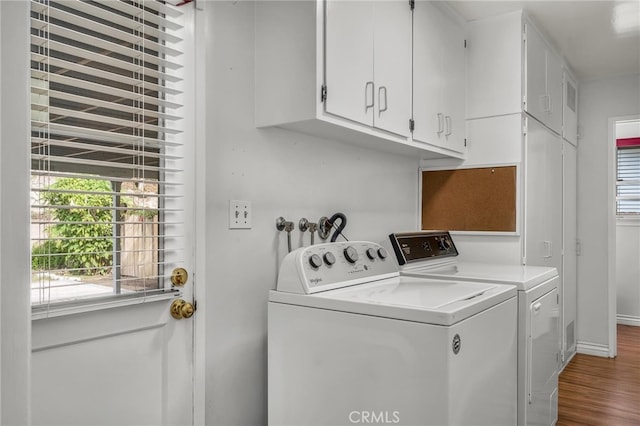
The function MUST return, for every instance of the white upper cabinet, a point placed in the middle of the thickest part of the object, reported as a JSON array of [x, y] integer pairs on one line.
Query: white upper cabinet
[[569, 108], [543, 79], [512, 67], [342, 70], [438, 78]]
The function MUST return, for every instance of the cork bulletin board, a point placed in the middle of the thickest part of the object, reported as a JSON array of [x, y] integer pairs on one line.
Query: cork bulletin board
[[475, 199]]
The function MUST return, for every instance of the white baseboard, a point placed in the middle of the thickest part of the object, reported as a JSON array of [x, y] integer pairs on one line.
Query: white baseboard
[[592, 349], [628, 320]]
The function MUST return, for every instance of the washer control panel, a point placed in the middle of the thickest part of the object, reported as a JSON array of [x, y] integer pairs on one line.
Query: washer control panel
[[411, 247], [334, 265]]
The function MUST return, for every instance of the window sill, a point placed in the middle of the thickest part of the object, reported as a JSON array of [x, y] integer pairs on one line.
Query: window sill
[[80, 306]]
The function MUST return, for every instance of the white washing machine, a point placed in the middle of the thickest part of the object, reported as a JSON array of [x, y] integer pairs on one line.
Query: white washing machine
[[432, 254], [350, 341]]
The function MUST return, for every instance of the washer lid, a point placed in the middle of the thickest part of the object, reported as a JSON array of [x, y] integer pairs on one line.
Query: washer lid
[[408, 298], [524, 277]]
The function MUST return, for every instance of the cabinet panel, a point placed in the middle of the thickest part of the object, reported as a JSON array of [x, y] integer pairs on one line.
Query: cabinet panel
[[554, 91], [427, 69], [392, 66], [349, 60], [569, 109], [543, 192], [569, 231], [438, 81], [535, 74], [453, 95]]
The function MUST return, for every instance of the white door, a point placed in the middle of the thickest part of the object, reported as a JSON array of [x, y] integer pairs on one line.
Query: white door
[[392, 66], [349, 76], [128, 362]]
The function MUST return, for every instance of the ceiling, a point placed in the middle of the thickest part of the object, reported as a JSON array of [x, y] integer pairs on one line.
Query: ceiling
[[582, 30]]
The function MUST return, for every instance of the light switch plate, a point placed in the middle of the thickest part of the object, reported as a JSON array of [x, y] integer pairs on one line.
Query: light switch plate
[[240, 214]]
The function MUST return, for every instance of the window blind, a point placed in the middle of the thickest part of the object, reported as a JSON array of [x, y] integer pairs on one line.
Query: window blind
[[105, 148], [628, 179]]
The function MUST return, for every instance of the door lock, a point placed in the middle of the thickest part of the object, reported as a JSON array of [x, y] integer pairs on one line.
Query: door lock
[[181, 309], [179, 277]]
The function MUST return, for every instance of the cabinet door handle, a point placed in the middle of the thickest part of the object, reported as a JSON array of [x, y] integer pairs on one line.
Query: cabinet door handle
[[537, 306], [380, 90], [440, 123], [368, 92], [447, 120]]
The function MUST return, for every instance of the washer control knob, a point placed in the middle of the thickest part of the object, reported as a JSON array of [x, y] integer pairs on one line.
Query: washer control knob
[[444, 244], [351, 254], [371, 253], [329, 258], [315, 261], [382, 253]]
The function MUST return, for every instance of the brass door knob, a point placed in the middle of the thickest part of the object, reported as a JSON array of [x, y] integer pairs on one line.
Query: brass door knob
[[181, 309]]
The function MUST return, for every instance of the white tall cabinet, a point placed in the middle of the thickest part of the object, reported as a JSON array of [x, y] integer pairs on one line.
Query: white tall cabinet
[[514, 71]]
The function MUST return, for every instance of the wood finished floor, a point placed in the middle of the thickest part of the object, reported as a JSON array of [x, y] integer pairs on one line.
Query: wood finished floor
[[603, 391]]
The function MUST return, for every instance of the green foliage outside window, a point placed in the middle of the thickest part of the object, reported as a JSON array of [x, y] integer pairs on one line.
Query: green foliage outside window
[[81, 242]]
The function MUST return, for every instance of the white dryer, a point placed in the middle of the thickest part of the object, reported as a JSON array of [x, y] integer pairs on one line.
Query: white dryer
[[432, 254], [350, 341]]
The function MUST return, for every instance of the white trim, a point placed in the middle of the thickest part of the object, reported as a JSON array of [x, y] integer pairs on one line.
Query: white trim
[[15, 265], [199, 102], [628, 320], [55, 310], [593, 349]]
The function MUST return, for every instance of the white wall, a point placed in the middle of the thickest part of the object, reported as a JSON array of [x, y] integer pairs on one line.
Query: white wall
[[15, 321], [283, 174], [599, 100]]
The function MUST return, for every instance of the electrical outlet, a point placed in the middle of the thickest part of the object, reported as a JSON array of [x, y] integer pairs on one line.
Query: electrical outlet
[[240, 214]]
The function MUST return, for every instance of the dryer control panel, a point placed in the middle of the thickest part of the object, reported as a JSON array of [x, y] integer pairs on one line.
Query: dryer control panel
[[334, 265], [411, 247]]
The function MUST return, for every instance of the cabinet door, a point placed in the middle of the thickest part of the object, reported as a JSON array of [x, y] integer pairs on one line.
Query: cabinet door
[[349, 60], [569, 231], [427, 71], [542, 369], [392, 66], [569, 109], [554, 91], [543, 192], [537, 101], [453, 85]]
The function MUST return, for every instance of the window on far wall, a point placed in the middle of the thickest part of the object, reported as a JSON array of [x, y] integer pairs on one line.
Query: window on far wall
[[105, 148], [628, 178]]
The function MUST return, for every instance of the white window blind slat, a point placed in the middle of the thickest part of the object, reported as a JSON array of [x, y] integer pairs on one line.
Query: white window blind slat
[[628, 181], [106, 161]]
